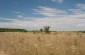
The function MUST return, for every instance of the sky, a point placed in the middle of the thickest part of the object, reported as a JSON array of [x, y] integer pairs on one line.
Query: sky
[[60, 15]]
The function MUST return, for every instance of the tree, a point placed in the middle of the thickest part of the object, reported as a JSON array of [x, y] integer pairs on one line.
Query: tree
[[41, 30], [46, 29]]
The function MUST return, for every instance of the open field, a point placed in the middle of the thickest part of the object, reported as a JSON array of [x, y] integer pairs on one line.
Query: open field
[[28, 43]]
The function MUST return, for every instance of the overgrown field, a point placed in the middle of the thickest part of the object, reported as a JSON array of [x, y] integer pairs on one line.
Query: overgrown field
[[56, 43]]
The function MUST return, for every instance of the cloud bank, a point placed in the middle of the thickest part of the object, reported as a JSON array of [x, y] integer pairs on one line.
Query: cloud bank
[[59, 20]]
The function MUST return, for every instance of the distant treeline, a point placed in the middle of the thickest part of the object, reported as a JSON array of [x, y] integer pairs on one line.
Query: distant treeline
[[23, 30], [12, 30], [82, 31]]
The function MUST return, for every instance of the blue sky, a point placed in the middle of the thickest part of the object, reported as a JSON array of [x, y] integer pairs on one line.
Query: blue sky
[[61, 15]]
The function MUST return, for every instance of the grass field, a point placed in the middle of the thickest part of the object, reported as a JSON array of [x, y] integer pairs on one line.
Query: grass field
[[28, 43]]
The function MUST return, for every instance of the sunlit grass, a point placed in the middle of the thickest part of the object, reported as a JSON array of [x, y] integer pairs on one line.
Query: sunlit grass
[[56, 43]]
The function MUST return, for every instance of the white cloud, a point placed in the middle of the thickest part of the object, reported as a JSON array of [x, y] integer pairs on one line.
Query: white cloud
[[19, 16], [79, 9], [58, 1], [16, 12], [81, 6], [56, 18], [65, 22], [46, 11]]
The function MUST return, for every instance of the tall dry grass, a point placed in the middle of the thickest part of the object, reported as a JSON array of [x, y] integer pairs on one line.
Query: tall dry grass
[[57, 43]]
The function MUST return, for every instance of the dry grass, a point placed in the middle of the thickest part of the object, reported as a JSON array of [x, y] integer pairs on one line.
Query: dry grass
[[60, 43]]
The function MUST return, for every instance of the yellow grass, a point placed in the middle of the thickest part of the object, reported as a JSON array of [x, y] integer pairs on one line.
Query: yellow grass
[[57, 43]]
